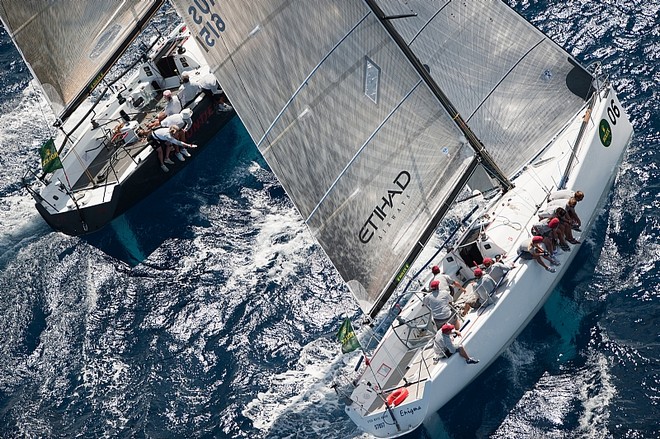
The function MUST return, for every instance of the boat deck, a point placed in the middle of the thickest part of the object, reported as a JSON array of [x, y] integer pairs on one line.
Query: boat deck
[[114, 157], [420, 360]]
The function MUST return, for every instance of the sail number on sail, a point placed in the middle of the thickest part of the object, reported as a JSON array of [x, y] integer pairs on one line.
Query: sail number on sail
[[211, 23], [380, 212]]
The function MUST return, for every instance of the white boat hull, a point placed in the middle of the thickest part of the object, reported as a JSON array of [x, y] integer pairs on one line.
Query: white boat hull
[[527, 286]]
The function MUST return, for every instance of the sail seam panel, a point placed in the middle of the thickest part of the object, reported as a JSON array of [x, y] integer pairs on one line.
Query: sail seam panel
[[69, 59], [421, 29], [478, 104], [304, 82], [524, 131], [502, 79], [128, 39], [359, 151]]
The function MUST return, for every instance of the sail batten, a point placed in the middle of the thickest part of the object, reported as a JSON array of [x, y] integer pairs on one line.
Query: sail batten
[[410, 42], [265, 135], [467, 119], [343, 172]]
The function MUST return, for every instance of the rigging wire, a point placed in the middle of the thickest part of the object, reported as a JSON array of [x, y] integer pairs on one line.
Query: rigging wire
[[49, 128], [41, 109]]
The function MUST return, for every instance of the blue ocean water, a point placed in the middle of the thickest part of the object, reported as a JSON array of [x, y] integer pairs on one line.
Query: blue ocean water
[[208, 310]]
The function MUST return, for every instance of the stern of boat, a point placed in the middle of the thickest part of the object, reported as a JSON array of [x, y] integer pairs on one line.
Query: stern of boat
[[393, 422], [389, 397], [76, 220]]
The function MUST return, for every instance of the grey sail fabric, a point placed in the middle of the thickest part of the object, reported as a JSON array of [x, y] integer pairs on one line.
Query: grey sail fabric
[[66, 43], [514, 87], [361, 145]]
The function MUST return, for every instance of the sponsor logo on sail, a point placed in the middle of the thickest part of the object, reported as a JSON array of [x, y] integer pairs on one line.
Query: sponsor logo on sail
[[380, 213]]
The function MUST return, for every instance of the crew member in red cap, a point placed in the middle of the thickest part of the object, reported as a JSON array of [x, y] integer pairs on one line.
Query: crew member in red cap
[[531, 249], [496, 269], [436, 271], [438, 301], [481, 289], [558, 233], [549, 228], [566, 222], [446, 344], [446, 282]]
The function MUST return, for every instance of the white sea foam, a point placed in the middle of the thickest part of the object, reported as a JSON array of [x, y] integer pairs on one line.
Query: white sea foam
[[519, 357], [281, 242], [20, 224], [596, 394], [30, 118], [302, 399], [20, 134], [541, 411], [299, 401]]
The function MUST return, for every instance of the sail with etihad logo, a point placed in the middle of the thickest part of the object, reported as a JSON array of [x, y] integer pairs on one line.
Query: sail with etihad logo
[[376, 220]]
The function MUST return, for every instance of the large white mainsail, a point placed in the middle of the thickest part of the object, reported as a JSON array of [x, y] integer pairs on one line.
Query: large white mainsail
[[514, 86], [363, 148], [70, 44], [359, 141]]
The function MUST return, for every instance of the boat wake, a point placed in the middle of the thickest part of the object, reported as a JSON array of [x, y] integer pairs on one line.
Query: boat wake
[[20, 225], [20, 221], [547, 409], [596, 393], [301, 401]]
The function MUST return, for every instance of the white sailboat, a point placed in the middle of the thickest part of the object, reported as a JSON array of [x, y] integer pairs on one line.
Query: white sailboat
[[98, 166], [378, 117]]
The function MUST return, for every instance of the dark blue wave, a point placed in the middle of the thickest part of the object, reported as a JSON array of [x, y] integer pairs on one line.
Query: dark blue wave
[[208, 306]]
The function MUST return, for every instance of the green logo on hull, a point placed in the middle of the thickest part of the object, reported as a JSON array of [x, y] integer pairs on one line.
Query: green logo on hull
[[605, 133]]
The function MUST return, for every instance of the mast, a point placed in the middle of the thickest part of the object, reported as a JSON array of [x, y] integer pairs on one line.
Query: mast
[[487, 161], [394, 283], [482, 157]]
